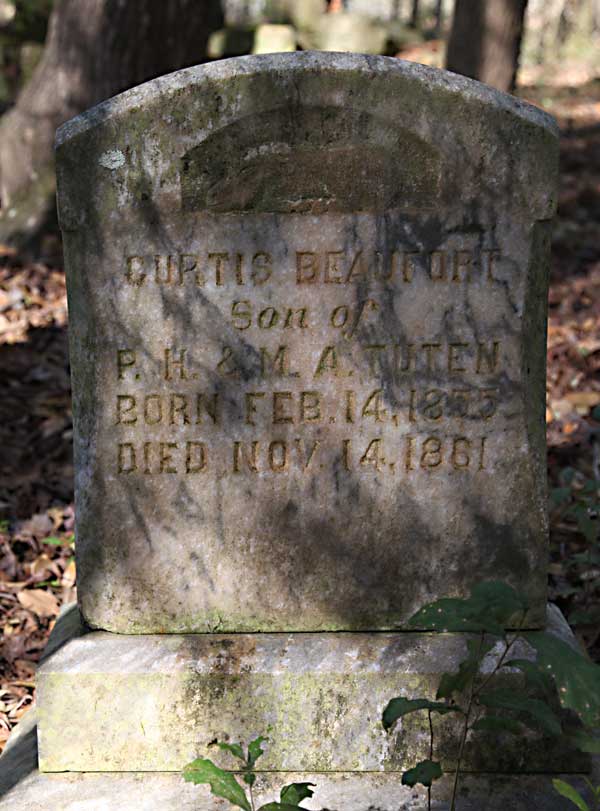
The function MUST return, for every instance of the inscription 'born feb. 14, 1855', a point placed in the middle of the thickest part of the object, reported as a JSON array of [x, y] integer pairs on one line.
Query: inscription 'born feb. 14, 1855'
[[314, 404]]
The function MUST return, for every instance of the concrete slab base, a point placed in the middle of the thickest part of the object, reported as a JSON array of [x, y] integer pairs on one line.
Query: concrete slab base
[[108, 702], [25, 789]]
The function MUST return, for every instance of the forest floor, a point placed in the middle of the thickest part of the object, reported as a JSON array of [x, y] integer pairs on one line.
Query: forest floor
[[37, 567]]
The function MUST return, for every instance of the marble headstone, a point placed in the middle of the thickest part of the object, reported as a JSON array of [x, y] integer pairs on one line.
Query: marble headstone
[[307, 320]]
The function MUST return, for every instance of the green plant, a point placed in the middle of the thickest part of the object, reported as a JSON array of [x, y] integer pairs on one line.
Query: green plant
[[224, 783], [488, 614], [572, 794], [575, 505], [67, 540]]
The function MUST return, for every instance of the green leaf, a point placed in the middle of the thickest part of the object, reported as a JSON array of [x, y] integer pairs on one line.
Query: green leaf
[[255, 750], [424, 773], [458, 682], [398, 707], [566, 476], [560, 495], [565, 790], [496, 603], [588, 526], [495, 723], [589, 616], [583, 558], [280, 807], [505, 698], [584, 742], [296, 792], [491, 607], [594, 789], [249, 778], [222, 784], [577, 679], [234, 748], [447, 614], [54, 541], [535, 677]]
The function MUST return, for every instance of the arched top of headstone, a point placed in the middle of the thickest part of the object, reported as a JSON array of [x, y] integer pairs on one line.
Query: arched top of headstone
[[312, 133]]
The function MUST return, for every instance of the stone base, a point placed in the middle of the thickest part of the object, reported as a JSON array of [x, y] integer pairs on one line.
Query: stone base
[[23, 788], [153, 703]]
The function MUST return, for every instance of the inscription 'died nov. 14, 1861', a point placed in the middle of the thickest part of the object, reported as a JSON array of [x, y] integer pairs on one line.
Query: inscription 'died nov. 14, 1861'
[[446, 391], [306, 303]]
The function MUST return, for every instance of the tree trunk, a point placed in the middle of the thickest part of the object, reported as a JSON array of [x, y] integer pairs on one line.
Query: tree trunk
[[439, 18], [595, 16], [95, 49], [414, 15], [485, 40], [567, 21]]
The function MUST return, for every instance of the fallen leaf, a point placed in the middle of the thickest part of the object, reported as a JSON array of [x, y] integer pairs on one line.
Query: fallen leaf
[[38, 526], [43, 603], [40, 565], [561, 408], [68, 578], [587, 399]]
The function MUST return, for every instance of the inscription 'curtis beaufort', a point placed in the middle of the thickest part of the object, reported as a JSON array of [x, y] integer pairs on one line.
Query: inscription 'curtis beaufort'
[[220, 268]]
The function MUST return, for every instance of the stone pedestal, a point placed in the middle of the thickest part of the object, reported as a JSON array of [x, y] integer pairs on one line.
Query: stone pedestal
[[154, 703], [336, 792], [120, 715]]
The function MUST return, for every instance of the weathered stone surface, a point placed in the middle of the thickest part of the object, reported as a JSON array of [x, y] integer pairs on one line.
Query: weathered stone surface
[[269, 39], [334, 792], [153, 703], [23, 788], [307, 317]]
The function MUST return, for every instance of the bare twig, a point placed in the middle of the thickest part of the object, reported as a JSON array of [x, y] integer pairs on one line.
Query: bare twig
[[465, 731], [430, 756]]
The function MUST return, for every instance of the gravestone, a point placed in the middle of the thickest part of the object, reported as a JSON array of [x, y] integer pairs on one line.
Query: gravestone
[[269, 38], [307, 308], [307, 319], [351, 32]]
